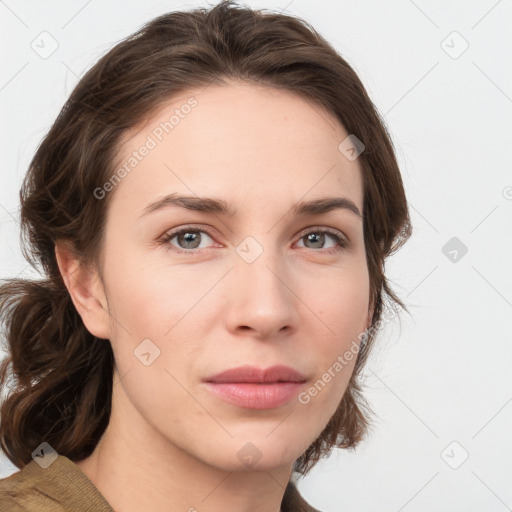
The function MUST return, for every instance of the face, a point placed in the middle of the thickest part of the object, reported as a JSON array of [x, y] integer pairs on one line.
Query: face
[[194, 291]]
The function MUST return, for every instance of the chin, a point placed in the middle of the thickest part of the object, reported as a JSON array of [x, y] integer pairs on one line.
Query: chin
[[260, 452]]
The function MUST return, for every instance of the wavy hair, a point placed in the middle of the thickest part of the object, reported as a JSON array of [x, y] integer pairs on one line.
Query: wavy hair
[[57, 376]]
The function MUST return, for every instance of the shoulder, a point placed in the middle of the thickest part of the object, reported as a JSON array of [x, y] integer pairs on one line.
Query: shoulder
[[22, 491], [293, 501], [58, 487], [10, 504]]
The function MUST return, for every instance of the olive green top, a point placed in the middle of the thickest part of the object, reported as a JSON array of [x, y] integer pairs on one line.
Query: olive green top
[[64, 487]]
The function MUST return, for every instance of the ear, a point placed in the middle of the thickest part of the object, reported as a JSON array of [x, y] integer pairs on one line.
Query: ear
[[86, 290]]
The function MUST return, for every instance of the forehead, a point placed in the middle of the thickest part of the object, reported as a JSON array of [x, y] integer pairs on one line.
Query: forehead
[[251, 142]]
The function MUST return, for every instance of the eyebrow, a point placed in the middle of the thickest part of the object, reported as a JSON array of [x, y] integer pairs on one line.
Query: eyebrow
[[221, 207]]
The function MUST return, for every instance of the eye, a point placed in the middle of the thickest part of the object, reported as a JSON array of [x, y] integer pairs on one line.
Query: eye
[[317, 238], [187, 238]]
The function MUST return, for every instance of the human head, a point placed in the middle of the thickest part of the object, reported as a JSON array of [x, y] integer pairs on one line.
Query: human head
[[54, 356]]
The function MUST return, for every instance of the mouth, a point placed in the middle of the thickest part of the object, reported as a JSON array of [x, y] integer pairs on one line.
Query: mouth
[[253, 388]]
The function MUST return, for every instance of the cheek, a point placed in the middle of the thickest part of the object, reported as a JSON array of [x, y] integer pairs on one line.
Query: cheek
[[161, 311], [148, 297], [342, 303], [343, 309]]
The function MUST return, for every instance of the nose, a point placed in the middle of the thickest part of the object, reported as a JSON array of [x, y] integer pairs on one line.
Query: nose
[[261, 301]]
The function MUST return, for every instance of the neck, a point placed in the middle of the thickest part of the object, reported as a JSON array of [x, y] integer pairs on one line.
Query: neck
[[135, 469]]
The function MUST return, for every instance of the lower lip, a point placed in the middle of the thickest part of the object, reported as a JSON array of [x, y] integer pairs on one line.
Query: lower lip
[[255, 396]]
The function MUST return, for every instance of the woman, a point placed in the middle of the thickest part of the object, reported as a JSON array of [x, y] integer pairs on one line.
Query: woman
[[212, 210]]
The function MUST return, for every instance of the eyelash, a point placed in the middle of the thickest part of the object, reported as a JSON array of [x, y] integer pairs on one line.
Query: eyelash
[[341, 242]]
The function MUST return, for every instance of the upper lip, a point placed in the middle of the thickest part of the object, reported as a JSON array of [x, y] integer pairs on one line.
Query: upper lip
[[278, 373]]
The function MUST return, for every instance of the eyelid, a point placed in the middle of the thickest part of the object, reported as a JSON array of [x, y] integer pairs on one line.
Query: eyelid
[[208, 230], [333, 231], [190, 227]]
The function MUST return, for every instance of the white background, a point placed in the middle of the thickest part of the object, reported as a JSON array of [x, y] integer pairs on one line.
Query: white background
[[441, 375]]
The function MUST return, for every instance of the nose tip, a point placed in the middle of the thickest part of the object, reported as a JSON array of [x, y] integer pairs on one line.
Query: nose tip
[[261, 301]]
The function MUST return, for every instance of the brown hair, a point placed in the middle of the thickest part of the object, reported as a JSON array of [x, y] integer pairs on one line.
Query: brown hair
[[60, 378]]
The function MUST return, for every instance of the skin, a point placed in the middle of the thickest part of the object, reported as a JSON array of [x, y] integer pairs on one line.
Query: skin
[[171, 444]]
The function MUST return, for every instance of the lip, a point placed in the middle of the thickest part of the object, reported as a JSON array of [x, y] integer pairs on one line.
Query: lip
[[254, 388], [251, 374]]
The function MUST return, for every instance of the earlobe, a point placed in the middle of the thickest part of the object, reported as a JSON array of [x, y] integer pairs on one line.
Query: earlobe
[[85, 289]]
